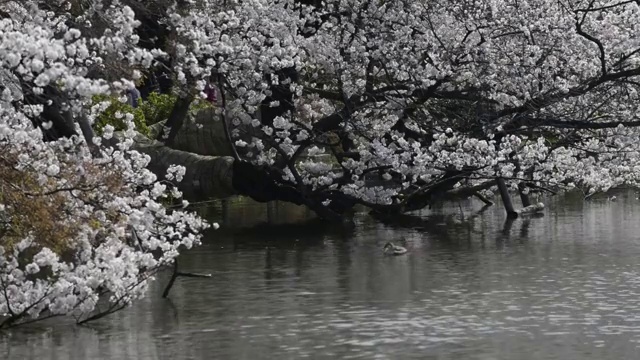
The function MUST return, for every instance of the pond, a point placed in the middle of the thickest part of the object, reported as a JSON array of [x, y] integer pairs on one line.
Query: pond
[[472, 286]]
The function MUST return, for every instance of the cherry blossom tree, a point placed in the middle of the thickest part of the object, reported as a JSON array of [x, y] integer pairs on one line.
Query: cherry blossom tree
[[394, 105]]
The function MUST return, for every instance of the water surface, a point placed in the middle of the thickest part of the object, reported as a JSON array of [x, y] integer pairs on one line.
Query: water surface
[[285, 286]]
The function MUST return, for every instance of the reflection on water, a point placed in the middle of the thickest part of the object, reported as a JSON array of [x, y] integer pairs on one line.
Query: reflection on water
[[564, 286]]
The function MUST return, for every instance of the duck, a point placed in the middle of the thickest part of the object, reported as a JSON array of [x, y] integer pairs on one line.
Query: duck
[[393, 249]]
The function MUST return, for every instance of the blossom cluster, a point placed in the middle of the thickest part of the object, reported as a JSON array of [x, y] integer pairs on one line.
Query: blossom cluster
[[82, 232]]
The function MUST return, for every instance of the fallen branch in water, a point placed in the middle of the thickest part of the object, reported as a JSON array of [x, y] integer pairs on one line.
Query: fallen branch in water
[[177, 273]]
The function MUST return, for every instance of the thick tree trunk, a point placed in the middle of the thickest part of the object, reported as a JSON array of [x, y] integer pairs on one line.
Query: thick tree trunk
[[206, 177], [177, 117], [203, 135]]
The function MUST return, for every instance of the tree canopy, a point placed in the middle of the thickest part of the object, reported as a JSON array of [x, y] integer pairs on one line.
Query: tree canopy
[[412, 101]]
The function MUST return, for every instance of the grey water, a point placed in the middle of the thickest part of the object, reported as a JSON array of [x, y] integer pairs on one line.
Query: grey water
[[472, 286]]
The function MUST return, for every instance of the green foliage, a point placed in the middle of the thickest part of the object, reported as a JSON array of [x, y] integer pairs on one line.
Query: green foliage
[[200, 104], [156, 108], [108, 117]]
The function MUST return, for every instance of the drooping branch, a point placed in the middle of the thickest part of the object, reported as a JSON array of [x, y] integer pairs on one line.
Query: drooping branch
[[175, 274], [536, 122], [581, 32], [506, 198], [545, 100], [590, 8]]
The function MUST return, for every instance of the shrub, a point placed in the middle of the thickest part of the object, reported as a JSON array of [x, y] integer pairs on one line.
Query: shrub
[[114, 115]]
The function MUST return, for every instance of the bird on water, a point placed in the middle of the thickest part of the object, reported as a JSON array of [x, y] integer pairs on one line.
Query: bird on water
[[393, 249]]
